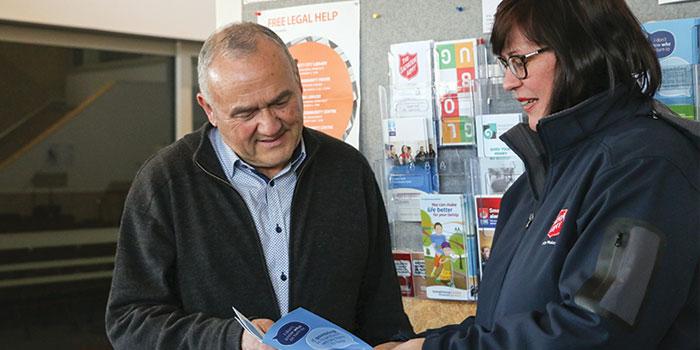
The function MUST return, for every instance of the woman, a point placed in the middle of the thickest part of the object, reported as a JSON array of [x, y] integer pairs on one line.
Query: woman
[[597, 244]]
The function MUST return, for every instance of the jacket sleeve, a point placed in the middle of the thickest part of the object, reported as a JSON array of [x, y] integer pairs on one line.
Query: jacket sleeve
[[655, 195], [380, 315], [143, 310]]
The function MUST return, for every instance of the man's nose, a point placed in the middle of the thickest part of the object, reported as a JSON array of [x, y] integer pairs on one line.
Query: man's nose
[[268, 123]]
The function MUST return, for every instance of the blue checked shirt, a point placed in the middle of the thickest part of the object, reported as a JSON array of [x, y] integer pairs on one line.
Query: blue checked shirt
[[269, 202]]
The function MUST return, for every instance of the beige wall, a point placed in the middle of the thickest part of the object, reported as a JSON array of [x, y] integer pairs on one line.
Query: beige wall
[[176, 19]]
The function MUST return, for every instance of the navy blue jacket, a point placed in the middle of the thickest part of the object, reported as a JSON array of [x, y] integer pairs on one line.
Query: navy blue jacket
[[597, 244]]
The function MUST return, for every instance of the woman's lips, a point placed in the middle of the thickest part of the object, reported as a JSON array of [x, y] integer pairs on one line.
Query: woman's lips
[[527, 103]]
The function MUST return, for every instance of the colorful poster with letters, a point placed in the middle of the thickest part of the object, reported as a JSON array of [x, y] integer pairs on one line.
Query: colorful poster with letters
[[456, 68]]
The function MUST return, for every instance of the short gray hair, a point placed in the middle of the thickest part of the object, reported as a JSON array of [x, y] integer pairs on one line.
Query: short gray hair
[[241, 38]]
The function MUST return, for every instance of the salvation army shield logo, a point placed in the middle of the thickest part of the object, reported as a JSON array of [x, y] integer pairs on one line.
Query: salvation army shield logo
[[557, 224], [408, 65]]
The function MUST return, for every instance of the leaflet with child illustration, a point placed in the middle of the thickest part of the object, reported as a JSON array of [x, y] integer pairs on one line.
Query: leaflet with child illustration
[[302, 329], [448, 248]]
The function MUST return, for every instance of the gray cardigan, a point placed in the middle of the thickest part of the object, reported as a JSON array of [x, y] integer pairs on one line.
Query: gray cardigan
[[188, 250]]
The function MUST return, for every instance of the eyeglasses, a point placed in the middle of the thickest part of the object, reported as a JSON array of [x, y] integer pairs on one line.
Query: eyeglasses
[[517, 64]]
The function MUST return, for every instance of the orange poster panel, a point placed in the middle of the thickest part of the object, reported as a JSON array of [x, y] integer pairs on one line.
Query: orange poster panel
[[329, 97]]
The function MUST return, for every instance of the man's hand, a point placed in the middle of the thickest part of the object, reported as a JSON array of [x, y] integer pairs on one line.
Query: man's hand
[[413, 344], [250, 342]]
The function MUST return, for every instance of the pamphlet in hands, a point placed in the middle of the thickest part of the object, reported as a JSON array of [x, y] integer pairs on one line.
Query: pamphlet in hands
[[301, 329]]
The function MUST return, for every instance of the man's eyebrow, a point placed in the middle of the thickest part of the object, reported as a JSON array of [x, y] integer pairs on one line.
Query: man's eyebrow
[[248, 109], [281, 97]]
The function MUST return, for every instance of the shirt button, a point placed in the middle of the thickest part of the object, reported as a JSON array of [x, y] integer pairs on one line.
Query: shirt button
[[283, 277], [278, 229], [272, 183]]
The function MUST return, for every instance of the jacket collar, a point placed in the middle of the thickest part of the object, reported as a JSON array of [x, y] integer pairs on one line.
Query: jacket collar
[[563, 129], [205, 156]]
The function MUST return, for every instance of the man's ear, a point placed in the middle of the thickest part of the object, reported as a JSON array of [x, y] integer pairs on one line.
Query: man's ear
[[206, 107]]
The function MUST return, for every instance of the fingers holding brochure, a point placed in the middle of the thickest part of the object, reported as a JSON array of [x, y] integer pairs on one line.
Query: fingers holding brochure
[[250, 341]]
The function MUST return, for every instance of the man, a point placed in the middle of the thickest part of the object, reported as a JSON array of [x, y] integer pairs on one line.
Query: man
[[253, 211]]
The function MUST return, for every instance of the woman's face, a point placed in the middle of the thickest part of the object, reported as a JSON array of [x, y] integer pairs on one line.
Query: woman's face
[[535, 91]]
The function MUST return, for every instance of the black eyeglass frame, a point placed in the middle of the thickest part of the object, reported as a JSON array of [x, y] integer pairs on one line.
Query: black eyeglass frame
[[506, 62]]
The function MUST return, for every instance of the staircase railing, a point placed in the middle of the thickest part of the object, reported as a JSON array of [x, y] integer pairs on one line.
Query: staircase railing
[[14, 142]]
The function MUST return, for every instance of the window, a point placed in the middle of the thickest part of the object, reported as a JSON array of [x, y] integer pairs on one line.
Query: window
[[81, 113], [76, 126]]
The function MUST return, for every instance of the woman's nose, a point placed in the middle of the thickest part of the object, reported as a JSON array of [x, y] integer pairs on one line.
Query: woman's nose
[[510, 82]]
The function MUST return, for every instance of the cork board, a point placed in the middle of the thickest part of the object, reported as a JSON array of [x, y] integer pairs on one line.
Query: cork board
[[425, 314]]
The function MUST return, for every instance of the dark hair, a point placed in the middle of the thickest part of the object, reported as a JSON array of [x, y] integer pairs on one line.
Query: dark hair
[[599, 44], [241, 38], [436, 225]]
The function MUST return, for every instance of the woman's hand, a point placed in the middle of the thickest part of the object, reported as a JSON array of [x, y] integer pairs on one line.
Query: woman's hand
[[413, 344]]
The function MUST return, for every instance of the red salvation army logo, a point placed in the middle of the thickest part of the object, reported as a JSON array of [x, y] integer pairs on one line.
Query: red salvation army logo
[[558, 223], [408, 65]]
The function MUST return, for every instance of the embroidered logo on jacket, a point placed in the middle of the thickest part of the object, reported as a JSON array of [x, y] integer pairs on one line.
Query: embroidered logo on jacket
[[558, 222], [556, 228]]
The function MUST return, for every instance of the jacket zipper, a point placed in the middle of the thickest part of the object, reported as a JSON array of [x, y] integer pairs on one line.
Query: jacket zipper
[[529, 220]]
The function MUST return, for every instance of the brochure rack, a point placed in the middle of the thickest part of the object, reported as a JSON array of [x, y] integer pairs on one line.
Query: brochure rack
[[441, 148]]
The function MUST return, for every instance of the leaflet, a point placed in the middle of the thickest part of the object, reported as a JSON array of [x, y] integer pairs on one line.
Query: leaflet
[[446, 248], [302, 329]]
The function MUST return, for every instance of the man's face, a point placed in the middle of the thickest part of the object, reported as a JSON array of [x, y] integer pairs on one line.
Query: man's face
[[256, 104]]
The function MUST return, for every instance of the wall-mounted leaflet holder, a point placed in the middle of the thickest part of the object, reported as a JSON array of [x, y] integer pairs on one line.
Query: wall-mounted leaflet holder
[[469, 158], [442, 116]]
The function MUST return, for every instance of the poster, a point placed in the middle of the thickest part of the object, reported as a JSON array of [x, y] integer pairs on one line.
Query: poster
[[488, 11], [325, 41]]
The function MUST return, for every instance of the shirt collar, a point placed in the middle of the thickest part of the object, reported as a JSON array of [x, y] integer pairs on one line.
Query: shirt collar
[[230, 161]]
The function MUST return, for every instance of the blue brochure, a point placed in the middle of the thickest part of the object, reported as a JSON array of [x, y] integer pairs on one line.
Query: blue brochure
[[301, 329]]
